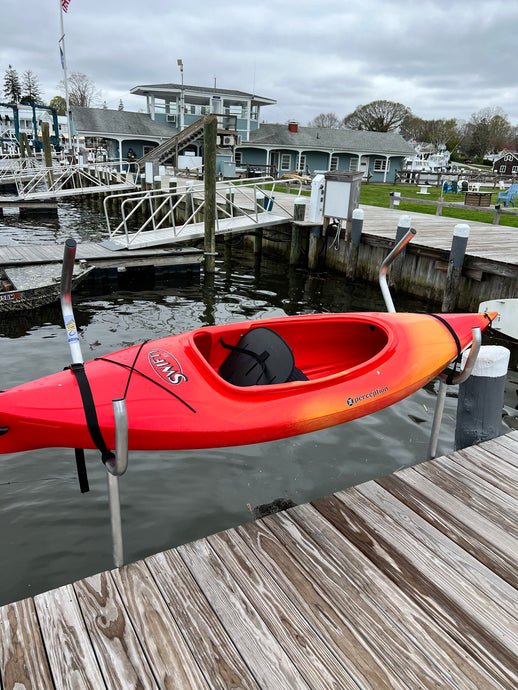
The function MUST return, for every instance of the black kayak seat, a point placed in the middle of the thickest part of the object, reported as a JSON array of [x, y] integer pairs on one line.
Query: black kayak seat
[[261, 357]]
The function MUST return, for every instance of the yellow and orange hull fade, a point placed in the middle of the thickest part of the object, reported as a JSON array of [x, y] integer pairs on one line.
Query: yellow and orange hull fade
[[354, 364]]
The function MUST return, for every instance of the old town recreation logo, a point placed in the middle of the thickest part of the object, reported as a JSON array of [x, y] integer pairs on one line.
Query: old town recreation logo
[[166, 366], [371, 394]]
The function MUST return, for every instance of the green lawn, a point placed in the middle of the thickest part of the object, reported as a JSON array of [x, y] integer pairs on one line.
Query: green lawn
[[379, 195]]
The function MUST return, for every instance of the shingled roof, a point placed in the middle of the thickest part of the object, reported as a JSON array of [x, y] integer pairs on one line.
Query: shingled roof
[[319, 138], [103, 122]]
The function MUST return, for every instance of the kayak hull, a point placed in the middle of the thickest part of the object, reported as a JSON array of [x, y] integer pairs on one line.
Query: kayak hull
[[356, 364]]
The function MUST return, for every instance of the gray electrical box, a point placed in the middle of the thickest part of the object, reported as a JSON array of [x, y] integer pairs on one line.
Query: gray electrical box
[[342, 194]]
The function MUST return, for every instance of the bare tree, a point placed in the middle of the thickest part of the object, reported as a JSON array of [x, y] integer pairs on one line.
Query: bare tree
[[378, 116], [329, 120], [488, 131], [81, 90]]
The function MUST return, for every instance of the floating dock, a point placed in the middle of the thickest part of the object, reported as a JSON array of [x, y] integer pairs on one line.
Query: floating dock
[[409, 581], [99, 256]]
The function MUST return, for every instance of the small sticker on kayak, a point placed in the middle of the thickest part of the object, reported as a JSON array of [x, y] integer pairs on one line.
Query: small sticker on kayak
[[371, 394], [167, 366]]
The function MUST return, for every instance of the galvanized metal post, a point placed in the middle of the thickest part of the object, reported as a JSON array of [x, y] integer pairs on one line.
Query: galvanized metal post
[[444, 381], [117, 466], [385, 266]]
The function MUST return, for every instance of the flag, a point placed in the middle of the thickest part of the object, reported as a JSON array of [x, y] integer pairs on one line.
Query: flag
[[65, 4]]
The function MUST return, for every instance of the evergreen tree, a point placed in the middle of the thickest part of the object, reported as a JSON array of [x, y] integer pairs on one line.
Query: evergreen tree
[[12, 88], [31, 89]]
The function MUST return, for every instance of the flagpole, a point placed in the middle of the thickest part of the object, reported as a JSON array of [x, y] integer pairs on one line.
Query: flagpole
[[65, 78]]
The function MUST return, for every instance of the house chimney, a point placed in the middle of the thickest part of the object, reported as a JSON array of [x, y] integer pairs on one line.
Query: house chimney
[[293, 126]]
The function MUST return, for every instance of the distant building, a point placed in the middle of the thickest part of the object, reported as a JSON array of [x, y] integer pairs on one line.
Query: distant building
[[311, 150], [119, 131], [506, 164], [180, 105]]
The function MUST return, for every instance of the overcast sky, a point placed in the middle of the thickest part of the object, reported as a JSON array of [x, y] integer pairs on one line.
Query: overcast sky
[[441, 58]]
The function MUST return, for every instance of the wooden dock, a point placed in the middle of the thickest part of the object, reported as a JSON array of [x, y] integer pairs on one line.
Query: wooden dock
[[409, 581], [99, 256]]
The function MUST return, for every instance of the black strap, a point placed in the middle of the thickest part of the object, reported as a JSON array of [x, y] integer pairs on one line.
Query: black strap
[[451, 376], [454, 335], [81, 470], [89, 407], [260, 359]]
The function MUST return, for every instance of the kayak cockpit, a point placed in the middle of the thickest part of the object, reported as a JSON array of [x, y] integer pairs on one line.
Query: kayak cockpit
[[321, 348]]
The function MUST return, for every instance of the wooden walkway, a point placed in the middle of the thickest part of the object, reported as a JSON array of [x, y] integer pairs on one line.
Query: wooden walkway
[[487, 242], [405, 582], [94, 253]]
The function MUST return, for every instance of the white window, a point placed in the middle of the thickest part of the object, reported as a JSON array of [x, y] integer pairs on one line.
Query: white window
[[514, 169], [238, 157], [509, 157], [353, 164], [503, 168], [334, 163], [286, 161], [302, 162], [380, 165]]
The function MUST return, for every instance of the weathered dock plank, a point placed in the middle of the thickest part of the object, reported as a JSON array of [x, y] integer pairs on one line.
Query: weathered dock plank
[[159, 635], [465, 612], [67, 643], [113, 638], [408, 581], [23, 663], [204, 632]]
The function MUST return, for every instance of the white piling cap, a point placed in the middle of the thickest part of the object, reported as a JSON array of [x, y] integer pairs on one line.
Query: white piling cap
[[358, 214], [404, 222], [461, 230], [492, 361]]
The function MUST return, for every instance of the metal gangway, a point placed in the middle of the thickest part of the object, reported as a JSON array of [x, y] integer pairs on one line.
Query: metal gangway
[[35, 181], [152, 218]]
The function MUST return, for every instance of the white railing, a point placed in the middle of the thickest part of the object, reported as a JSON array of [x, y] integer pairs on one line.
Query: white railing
[[250, 197], [66, 179]]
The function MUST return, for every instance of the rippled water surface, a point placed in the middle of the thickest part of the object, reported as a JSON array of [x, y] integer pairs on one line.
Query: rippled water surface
[[50, 534]]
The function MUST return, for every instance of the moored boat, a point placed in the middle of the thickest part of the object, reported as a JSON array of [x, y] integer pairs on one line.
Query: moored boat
[[29, 287], [238, 383]]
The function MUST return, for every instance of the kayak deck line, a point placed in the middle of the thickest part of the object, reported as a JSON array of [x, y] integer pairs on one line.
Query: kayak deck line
[[409, 580]]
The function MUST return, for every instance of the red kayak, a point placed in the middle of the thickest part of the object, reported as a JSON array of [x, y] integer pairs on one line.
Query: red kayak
[[239, 383]]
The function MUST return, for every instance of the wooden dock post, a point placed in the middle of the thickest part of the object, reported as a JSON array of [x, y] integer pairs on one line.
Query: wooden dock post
[[401, 230], [457, 253], [210, 129], [297, 232], [481, 398], [315, 247], [353, 246]]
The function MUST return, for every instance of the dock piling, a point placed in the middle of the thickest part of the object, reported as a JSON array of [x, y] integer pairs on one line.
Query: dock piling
[[210, 129], [457, 253], [353, 246], [481, 396]]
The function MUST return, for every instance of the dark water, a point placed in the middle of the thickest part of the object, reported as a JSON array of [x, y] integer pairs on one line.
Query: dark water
[[50, 534]]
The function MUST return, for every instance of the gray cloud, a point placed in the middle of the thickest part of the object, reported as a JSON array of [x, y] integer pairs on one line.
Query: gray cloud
[[441, 58]]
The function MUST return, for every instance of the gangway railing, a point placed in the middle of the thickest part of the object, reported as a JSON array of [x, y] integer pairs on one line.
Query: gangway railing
[[159, 209], [61, 180]]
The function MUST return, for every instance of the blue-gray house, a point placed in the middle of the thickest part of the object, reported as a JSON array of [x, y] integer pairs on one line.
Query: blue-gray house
[[310, 150]]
